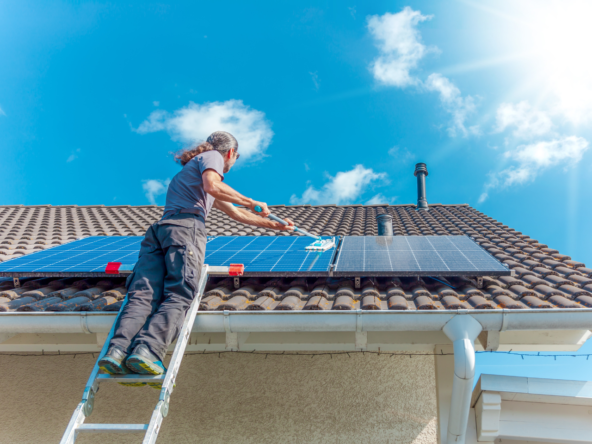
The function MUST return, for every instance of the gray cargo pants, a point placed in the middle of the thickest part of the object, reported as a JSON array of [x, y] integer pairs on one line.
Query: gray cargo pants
[[163, 284]]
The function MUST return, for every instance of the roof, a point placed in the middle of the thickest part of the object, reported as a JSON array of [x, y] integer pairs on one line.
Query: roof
[[519, 409], [544, 278], [528, 389]]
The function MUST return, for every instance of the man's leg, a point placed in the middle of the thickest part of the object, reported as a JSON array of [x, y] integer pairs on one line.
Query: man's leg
[[144, 294], [183, 266]]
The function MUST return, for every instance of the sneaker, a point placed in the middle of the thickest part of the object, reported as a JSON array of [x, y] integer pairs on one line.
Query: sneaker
[[112, 364], [144, 362]]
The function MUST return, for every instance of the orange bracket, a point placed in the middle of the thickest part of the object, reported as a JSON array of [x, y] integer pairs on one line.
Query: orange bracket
[[112, 267], [236, 269]]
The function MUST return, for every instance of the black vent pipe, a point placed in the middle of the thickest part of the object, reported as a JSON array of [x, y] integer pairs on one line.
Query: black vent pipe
[[421, 171], [385, 224]]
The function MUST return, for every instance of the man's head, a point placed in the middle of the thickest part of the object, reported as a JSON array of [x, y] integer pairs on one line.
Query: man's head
[[221, 141], [227, 145]]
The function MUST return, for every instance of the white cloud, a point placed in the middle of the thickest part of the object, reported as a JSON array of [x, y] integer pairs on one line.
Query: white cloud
[[524, 119], [195, 122], [484, 195], [530, 160], [399, 42], [156, 103], [400, 46], [345, 187], [380, 199], [454, 103], [545, 154], [2, 113], [73, 156], [403, 155], [154, 187], [315, 80]]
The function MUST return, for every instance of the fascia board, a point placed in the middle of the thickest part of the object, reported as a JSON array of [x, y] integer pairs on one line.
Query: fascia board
[[296, 321]]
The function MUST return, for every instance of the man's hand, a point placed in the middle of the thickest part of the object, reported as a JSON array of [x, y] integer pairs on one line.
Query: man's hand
[[281, 227], [264, 210]]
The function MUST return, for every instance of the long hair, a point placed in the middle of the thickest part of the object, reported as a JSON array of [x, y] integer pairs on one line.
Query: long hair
[[219, 141]]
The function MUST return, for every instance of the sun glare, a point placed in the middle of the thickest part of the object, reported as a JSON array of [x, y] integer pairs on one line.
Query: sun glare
[[544, 45], [556, 38]]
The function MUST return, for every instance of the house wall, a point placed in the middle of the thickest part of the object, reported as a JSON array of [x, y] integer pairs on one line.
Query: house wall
[[234, 398]]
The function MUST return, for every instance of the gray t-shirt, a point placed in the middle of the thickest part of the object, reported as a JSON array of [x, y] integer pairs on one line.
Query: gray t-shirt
[[186, 189]]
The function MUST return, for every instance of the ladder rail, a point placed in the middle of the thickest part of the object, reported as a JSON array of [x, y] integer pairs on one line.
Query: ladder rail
[[85, 407], [162, 407]]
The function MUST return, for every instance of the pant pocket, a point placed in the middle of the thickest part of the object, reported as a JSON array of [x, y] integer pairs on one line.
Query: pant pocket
[[191, 267]]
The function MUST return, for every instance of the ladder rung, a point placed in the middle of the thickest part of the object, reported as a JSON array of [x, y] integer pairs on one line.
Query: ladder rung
[[131, 378], [120, 428]]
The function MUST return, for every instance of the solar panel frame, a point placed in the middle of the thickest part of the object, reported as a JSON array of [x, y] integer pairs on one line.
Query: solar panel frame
[[415, 256]]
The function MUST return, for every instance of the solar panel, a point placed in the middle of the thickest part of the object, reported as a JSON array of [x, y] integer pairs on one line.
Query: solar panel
[[84, 257], [278, 256], [269, 255], [415, 256]]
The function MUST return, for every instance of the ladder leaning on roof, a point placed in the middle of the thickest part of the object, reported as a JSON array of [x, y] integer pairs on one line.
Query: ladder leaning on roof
[[85, 407]]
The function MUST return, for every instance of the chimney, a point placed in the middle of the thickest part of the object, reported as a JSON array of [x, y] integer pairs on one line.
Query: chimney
[[421, 171], [385, 224]]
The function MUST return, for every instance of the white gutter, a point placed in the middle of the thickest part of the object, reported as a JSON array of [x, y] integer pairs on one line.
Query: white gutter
[[312, 321]]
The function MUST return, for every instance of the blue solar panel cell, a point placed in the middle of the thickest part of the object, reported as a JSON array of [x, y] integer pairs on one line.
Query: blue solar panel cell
[[414, 256], [88, 255], [269, 255], [263, 255], [280, 255]]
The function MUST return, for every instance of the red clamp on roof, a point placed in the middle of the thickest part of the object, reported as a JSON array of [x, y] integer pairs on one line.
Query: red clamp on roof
[[112, 267], [236, 269]]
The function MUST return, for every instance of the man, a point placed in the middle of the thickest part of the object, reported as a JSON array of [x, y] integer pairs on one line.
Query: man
[[165, 278]]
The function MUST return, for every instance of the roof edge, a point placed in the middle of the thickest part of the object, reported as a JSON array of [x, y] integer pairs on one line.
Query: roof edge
[[299, 321], [271, 206]]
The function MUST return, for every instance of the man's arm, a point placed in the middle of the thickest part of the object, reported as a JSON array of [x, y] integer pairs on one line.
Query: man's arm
[[245, 217], [214, 186]]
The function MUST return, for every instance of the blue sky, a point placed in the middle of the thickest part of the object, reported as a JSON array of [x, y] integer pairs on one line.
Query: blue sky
[[331, 102]]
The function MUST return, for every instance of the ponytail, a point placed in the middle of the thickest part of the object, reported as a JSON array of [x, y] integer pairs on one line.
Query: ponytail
[[219, 140], [185, 156]]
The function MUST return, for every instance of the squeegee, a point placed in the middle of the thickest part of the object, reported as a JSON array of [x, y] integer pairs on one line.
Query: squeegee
[[319, 244]]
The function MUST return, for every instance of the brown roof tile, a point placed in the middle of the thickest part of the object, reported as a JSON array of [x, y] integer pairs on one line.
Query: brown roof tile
[[397, 302], [504, 301], [562, 302]]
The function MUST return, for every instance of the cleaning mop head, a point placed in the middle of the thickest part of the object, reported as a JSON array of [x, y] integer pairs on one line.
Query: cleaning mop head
[[321, 245]]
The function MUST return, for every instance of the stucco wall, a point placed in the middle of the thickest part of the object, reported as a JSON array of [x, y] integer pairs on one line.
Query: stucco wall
[[237, 398]]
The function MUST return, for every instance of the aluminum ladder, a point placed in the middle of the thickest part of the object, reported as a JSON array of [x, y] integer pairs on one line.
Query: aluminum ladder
[[150, 430]]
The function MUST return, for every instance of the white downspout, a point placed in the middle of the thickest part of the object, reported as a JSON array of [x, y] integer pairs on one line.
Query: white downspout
[[462, 330]]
